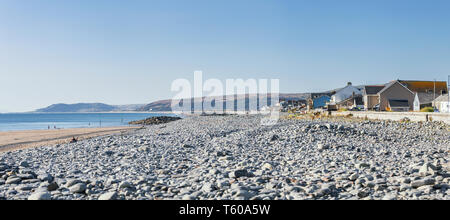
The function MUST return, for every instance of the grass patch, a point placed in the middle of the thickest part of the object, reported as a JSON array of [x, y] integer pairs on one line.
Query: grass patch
[[427, 109]]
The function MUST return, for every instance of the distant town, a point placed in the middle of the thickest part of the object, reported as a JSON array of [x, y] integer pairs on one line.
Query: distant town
[[394, 96]]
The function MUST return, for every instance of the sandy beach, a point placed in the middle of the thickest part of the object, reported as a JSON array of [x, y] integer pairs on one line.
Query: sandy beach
[[15, 140]]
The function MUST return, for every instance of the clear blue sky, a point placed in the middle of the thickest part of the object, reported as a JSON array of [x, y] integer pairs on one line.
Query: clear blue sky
[[123, 52]]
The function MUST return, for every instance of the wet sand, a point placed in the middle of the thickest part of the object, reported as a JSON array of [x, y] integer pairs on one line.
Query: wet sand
[[15, 140]]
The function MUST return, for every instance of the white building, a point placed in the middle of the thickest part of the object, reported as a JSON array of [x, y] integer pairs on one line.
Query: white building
[[345, 93], [442, 103], [416, 106]]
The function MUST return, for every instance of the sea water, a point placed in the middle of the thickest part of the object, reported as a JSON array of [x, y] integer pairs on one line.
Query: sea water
[[39, 121]]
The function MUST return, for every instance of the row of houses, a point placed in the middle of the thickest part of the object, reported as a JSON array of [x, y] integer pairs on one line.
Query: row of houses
[[397, 95]]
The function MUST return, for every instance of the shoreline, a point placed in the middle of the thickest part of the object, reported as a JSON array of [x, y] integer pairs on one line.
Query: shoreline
[[115, 112], [24, 139]]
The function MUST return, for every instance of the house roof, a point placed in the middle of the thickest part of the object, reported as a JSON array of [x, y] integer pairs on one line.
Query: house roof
[[317, 95], [346, 93], [358, 98], [324, 96], [426, 98], [424, 86], [388, 85], [442, 98], [373, 90], [398, 103]]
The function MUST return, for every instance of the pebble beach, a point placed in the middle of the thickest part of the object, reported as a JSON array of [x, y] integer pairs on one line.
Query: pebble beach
[[237, 158]]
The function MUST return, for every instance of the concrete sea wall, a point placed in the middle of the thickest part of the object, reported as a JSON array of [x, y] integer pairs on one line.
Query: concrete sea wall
[[413, 116]]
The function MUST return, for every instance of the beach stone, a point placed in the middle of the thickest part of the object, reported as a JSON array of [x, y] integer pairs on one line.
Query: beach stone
[[188, 197], [446, 167], [214, 171], [24, 188], [3, 167], [406, 180], [226, 158], [40, 196], [223, 183], [24, 164], [26, 171], [244, 194], [389, 196], [422, 182], [25, 176], [28, 181], [45, 177], [239, 173], [427, 169], [125, 184], [371, 184], [221, 153], [109, 153], [78, 188], [362, 165], [188, 146], [52, 186], [267, 166], [363, 193], [13, 180], [353, 177], [274, 137], [321, 146], [72, 182], [324, 190], [208, 187], [44, 189], [108, 196], [144, 149]]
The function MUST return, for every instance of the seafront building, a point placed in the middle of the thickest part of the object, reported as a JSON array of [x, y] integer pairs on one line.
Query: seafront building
[[397, 95], [442, 103], [370, 96]]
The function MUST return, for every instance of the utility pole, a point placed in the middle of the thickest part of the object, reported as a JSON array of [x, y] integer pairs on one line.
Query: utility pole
[[434, 93]]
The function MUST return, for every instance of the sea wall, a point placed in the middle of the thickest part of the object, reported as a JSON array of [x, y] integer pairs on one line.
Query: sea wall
[[413, 116]]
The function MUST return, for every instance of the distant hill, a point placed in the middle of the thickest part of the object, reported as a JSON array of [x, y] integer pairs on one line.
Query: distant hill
[[132, 107], [159, 106], [165, 105], [88, 107]]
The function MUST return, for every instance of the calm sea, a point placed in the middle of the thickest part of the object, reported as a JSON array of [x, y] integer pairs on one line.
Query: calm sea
[[37, 121]]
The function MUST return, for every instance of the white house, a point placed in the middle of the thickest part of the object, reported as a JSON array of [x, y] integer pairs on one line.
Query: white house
[[345, 93], [442, 103]]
